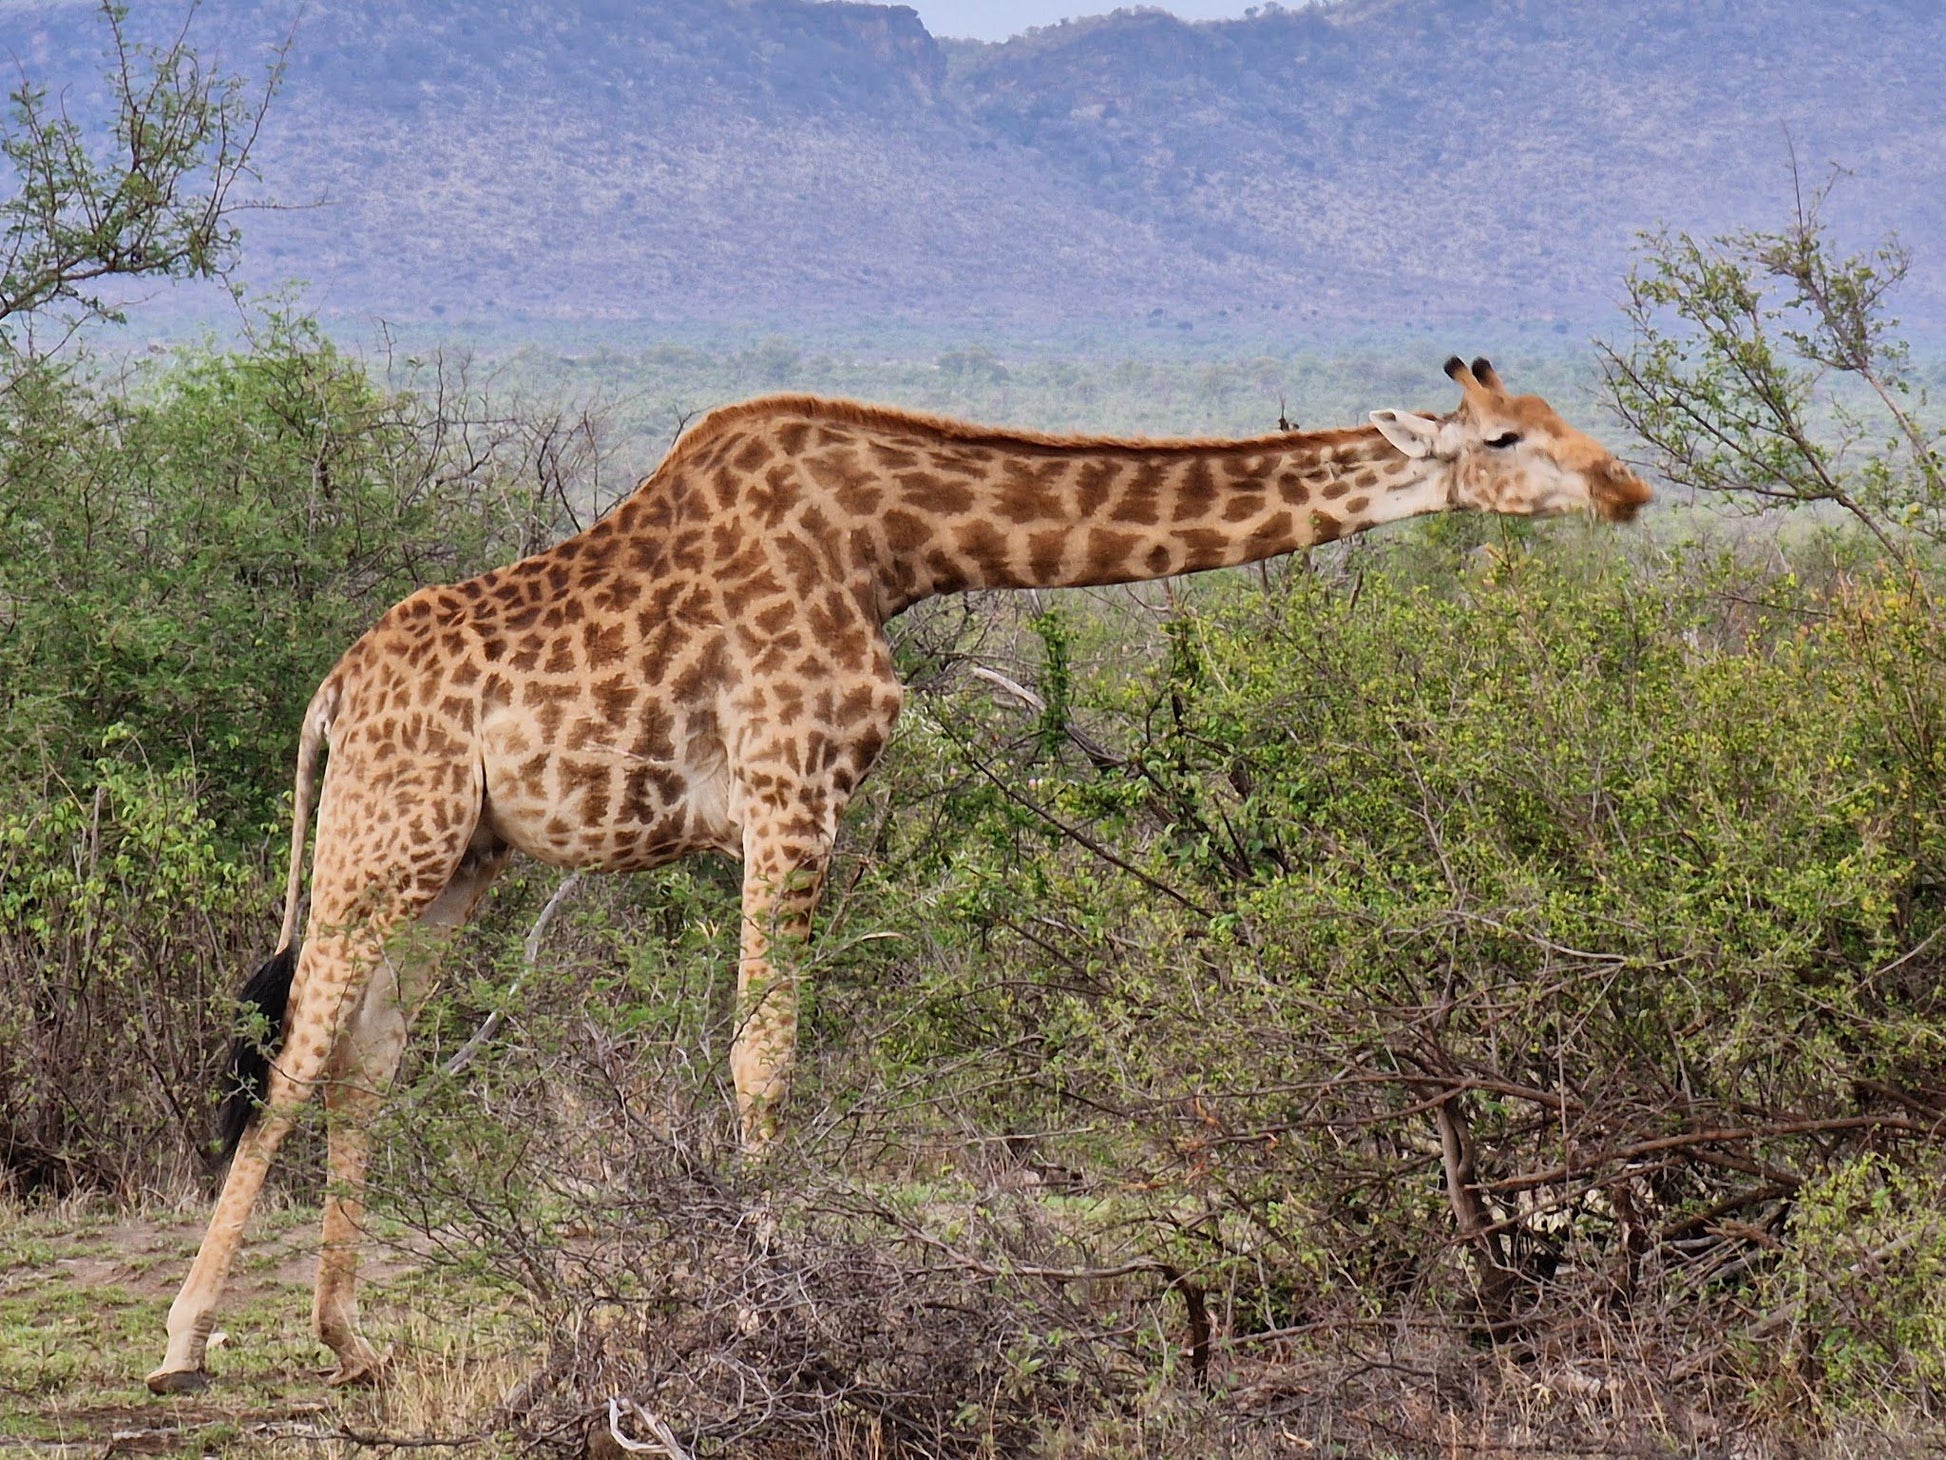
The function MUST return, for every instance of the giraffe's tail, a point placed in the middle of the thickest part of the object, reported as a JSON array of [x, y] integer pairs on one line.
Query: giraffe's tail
[[260, 1010], [264, 999]]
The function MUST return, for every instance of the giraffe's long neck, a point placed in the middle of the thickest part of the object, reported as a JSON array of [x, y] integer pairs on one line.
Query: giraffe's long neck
[[999, 514]]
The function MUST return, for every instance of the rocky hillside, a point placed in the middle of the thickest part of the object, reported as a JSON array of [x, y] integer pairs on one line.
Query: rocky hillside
[[798, 165]]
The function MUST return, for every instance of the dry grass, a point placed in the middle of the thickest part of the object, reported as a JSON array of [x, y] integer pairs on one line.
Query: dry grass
[[84, 1286]]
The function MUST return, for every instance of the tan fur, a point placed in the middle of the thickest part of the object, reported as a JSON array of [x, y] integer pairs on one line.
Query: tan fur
[[706, 669]]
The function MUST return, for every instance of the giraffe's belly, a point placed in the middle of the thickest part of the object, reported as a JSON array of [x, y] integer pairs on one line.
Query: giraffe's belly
[[597, 807]]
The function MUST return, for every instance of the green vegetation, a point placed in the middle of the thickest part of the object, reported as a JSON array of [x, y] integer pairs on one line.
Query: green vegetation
[[189, 551]]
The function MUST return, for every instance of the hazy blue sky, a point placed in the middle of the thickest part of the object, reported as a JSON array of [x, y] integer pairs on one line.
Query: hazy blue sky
[[995, 20]]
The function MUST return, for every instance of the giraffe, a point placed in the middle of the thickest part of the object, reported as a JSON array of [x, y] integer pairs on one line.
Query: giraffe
[[705, 669]]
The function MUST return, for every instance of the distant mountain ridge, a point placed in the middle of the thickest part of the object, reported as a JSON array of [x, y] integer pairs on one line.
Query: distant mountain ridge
[[791, 165]]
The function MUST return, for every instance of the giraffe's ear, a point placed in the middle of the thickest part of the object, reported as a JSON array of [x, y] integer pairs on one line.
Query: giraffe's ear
[[1411, 434]]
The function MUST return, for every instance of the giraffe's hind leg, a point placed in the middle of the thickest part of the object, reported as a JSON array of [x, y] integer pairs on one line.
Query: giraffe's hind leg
[[361, 1071], [330, 963], [372, 874]]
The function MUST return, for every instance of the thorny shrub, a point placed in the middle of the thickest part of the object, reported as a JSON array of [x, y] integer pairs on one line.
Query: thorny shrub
[[1419, 986], [773, 1309]]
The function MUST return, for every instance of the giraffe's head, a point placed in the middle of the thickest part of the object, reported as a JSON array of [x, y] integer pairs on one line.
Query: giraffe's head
[[1513, 454]]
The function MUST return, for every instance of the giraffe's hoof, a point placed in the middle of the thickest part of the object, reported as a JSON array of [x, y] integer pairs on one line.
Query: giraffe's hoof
[[178, 1381], [362, 1373]]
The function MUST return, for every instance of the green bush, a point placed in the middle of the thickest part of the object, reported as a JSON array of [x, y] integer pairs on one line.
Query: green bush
[[188, 557], [1859, 1299], [123, 922], [1624, 884]]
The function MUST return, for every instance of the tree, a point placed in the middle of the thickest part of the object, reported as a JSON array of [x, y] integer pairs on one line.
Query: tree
[[150, 195], [1765, 367], [183, 556]]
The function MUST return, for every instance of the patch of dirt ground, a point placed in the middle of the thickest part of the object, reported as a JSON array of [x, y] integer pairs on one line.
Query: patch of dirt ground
[[84, 1296]]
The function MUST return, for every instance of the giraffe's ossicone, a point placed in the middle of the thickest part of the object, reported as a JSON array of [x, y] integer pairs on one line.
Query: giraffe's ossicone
[[706, 669]]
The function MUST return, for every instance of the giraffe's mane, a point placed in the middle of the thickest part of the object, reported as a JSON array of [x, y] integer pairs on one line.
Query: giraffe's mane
[[841, 411]]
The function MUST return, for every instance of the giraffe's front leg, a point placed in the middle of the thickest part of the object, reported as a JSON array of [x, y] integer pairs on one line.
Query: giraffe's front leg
[[793, 777], [783, 869]]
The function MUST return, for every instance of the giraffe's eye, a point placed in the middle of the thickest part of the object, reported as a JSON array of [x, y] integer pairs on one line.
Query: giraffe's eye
[[1504, 440]]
